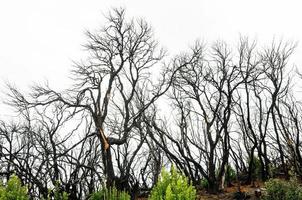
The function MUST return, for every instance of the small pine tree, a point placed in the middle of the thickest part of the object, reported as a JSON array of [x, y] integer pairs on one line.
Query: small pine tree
[[13, 190], [173, 186], [109, 194]]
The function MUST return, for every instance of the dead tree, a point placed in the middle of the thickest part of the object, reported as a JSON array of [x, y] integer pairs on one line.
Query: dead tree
[[123, 55]]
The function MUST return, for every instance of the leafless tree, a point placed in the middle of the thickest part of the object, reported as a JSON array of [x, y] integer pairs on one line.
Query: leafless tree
[[108, 88], [228, 108]]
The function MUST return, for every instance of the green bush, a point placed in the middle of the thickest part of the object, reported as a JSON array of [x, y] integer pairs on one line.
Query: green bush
[[13, 190], [204, 183], [110, 194], [230, 174], [283, 190], [60, 195], [56, 193], [173, 186], [256, 166]]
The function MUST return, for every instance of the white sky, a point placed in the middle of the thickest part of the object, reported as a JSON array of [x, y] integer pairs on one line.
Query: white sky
[[39, 39]]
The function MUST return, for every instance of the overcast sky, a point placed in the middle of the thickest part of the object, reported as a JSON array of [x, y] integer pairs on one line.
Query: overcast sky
[[39, 39]]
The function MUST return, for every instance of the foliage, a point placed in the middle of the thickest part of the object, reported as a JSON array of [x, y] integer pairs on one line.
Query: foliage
[[13, 190], [109, 194], [60, 195], [230, 174], [57, 193], [204, 183], [173, 186], [256, 165], [273, 170], [283, 190]]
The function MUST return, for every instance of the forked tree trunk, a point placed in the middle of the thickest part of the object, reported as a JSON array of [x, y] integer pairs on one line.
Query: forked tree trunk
[[107, 160]]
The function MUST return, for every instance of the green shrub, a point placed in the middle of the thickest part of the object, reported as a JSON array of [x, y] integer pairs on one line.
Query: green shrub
[[283, 190], [230, 174], [256, 166], [173, 186], [109, 194], [13, 190], [204, 183], [57, 194], [60, 195]]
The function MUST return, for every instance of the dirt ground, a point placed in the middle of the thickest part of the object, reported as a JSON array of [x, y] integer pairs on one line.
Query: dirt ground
[[228, 193]]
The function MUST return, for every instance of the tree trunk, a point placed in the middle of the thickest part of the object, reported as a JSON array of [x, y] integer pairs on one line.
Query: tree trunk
[[213, 187], [107, 159], [252, 167], [109, 170]]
